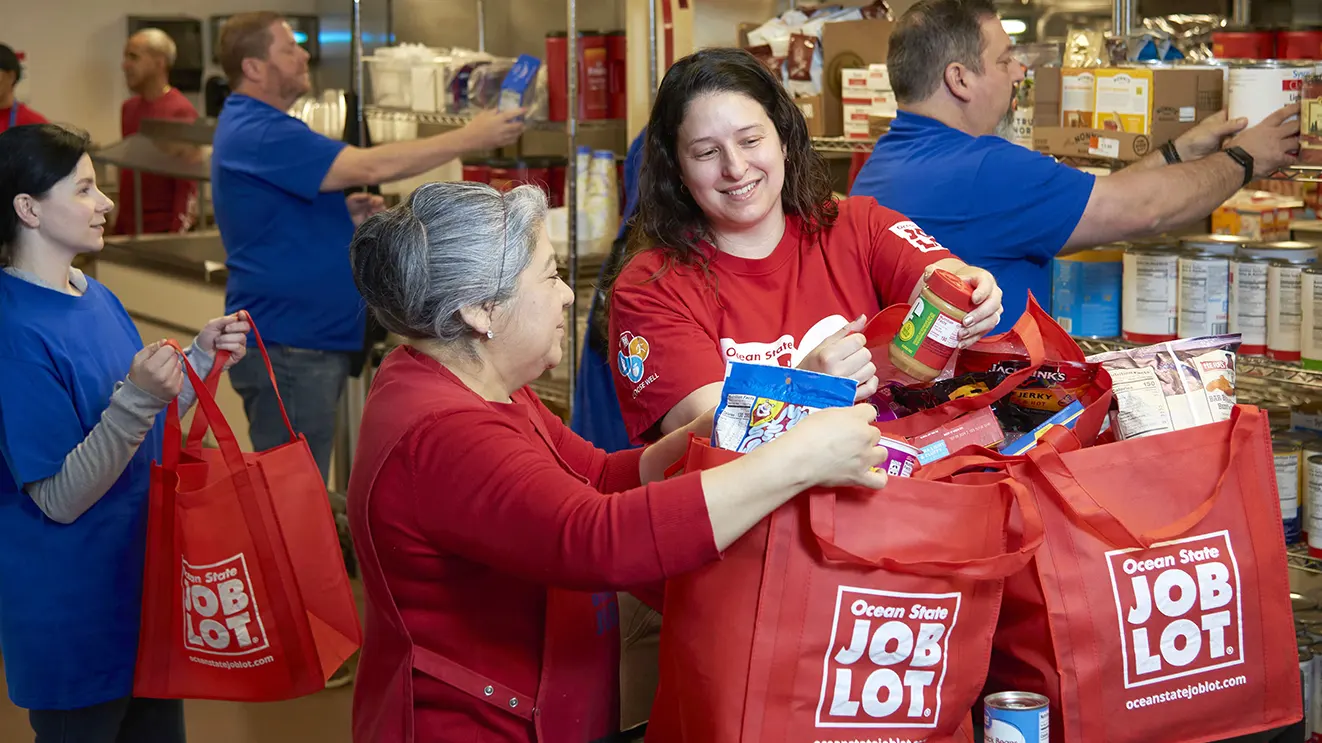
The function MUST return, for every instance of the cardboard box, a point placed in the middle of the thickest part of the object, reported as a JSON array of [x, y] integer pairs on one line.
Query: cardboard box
[[854, 83], [1059, 141], [1078, 98], [811, 107], [1177, 100], [879, 78], [849, 45], [1046, 96], [977, 428]]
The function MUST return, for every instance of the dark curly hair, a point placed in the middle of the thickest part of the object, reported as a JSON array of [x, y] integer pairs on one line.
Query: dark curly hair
[[668, 218]]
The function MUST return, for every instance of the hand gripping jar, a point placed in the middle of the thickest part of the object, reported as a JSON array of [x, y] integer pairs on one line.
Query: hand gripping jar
[[930, 333]]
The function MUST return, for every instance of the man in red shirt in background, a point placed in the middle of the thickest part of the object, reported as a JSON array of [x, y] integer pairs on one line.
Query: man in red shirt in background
[[148, 57], [13, 113]]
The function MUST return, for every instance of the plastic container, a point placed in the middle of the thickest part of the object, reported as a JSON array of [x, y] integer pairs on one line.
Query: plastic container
[[593, 76], [1299, 44], [477, 171], [930, 332], [507, 173], [1243, 44], [617, 61]]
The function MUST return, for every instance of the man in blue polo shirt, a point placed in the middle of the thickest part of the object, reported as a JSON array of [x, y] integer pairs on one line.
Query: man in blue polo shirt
[[278, 189], [1011, 210]]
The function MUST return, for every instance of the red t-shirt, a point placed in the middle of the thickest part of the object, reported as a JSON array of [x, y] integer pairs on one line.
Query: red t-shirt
[[674, 335], [24, 116], [164, 200]]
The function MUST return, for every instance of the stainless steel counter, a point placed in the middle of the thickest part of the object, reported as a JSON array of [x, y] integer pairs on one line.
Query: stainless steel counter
[[196, 256]]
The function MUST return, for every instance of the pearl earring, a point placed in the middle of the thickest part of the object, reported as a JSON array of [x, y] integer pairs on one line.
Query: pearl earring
[[490, 335]]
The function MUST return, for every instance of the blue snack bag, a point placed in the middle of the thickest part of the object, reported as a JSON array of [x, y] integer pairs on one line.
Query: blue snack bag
[[517, 89], [760, 402]]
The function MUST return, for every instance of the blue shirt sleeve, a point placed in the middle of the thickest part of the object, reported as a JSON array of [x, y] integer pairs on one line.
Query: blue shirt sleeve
[[1026, 204], [38, 423], [289, 156]]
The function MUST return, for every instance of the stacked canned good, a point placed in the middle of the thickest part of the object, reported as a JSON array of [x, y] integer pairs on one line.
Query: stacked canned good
[[1308, 636], [1157, 291], [1297, 451]]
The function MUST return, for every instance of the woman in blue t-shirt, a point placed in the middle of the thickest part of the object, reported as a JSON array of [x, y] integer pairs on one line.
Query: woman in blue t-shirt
[[81, 418]]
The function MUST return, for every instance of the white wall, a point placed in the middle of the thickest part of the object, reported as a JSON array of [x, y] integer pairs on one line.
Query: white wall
[[74, 46]]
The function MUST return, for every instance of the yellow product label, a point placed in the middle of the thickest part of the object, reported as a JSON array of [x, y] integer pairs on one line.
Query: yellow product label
[[1310, 130], [1078, 89], [1124, 101]]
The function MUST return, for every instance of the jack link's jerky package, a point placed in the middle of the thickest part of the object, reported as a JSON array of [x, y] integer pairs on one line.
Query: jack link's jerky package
[[760, 402]]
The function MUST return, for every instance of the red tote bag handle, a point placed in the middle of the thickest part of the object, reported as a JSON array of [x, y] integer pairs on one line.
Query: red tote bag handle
[[821, 506], [286, 621], [821, 510], [199, 427], [1046, 461]]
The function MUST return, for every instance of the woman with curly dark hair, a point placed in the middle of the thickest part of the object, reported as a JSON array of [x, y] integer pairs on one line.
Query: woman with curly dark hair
[[742, 253]]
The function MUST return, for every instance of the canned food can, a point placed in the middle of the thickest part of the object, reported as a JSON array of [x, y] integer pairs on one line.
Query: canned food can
[[1308, 680], [1306, 416], [1256, 88], [1296, 251], [1226, 245], [1085, 291], [1279, 415], [1310, 328], [1285, 454], [1248, 303], [1204, 295], [1314, 490], [1015, 716], [1151, 294], [1285, 310]]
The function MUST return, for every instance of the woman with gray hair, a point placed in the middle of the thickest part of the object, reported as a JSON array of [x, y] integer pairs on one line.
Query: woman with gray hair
[[492, 538]]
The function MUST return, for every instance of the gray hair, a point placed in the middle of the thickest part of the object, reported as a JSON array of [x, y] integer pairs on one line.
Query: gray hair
[[159, 42], [449, 246], [931, 36]]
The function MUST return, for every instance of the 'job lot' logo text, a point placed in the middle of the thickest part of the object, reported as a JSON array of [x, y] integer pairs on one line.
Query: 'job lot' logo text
[[886, 661], [220, 614], [1179, 608]]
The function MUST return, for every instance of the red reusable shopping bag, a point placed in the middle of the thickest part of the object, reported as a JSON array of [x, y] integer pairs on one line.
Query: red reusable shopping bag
[[845, 615], [245, 594], [1158, 608]]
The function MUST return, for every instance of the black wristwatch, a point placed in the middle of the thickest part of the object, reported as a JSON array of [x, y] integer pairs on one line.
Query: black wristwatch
[[1171, 154], [1244, 159]]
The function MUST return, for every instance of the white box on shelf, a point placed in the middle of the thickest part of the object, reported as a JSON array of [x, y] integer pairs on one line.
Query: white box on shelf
[[879, 77], [884, 104], [853, 79], [423, 78]]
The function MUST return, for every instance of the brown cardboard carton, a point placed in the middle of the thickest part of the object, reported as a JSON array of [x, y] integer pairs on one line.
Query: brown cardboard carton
[[1059, 141], [1046, 96], [855, 44]]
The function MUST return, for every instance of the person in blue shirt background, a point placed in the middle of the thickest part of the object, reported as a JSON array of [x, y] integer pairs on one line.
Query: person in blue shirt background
[[596, 415], [81, 418], [278, 189], [1006, 208]]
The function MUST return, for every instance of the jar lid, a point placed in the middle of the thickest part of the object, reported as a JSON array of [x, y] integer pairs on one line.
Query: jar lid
[[951, 288]]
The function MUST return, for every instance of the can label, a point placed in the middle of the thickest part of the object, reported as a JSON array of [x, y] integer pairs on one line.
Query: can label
[[1314, 507], [1285, 320], [1151, 290], [1287, 487], [1310, 330], [1255, 92], [1248, 306], [928, 335], [1204, 299], [1000, 725]]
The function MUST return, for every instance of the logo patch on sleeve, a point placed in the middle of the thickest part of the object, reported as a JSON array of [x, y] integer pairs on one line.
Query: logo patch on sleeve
[[914, 235]]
